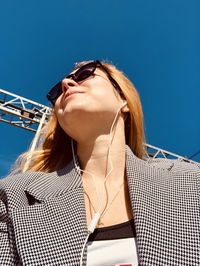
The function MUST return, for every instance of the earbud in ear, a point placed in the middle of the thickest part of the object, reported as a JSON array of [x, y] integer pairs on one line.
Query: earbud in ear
[[124, 104]]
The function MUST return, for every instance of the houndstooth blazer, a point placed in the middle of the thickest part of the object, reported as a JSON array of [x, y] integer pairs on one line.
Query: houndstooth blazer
[[43, 219]]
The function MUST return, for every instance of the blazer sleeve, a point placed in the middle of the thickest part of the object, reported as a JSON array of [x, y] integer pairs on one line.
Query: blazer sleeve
[[5, 252]]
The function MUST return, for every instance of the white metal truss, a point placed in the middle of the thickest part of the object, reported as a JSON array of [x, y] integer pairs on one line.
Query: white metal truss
[[21, 112], [155, 152], [26, 114]]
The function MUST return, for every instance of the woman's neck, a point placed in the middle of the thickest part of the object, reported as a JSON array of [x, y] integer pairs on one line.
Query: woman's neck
[[95, 158]]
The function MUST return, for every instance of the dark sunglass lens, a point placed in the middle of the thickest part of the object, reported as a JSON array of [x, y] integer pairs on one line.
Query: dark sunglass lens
[[55, 92], [84, 72]]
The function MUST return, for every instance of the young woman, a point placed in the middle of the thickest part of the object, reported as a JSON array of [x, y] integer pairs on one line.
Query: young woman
[[88, 195]]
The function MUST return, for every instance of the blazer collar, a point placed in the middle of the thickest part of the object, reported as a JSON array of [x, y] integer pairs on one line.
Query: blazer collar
[[57, 183], [54, 184]]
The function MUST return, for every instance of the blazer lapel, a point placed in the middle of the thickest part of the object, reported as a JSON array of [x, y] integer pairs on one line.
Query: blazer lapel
[[166, 212], [52, 232]]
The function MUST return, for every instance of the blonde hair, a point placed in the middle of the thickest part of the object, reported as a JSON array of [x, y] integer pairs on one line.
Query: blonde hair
[[55, 152]]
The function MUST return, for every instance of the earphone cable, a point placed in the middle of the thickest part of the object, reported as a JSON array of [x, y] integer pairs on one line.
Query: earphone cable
[[97, 215]]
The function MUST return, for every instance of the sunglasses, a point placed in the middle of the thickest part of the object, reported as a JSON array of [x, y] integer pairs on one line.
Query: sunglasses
[[79, 75]]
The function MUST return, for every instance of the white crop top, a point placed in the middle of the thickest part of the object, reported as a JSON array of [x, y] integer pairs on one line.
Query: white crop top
[[113, 246]]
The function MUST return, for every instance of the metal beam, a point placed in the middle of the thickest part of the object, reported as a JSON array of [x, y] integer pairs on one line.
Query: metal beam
[[155, 152], [21, 112]]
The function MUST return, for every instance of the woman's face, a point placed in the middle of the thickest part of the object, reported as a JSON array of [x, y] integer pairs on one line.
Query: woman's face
[[93, 100]]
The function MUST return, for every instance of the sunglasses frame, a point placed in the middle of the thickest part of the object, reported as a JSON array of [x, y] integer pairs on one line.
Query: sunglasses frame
[[56, 91]]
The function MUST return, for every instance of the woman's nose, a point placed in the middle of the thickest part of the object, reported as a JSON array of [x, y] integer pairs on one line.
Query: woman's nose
[[66, 83]]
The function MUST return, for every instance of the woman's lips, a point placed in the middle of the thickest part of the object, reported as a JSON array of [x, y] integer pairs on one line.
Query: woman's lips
[[70, 94]]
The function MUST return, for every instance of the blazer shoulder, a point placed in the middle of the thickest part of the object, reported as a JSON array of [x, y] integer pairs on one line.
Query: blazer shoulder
[[13, 185], [19, 179], [175, 165]]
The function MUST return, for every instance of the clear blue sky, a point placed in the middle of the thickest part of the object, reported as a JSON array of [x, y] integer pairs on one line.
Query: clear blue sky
[[156, 43]]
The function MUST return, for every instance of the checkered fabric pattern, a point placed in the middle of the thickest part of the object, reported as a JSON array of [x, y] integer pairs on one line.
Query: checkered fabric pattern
[[43, 219]]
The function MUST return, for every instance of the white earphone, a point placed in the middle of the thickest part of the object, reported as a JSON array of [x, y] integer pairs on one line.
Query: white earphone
[[124, 104], [97, 215]]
